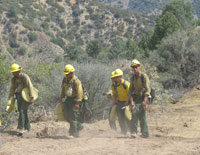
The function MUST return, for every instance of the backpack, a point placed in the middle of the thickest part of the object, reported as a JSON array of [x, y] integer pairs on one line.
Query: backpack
[[85, 110], [152, 93]]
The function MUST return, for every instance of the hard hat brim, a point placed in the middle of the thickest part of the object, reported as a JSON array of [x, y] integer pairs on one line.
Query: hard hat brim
[[132, 65], [16, 70], [115, 76], [67, 73]]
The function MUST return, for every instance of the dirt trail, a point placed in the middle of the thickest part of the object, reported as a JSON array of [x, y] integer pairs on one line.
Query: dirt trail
[[174, 128]]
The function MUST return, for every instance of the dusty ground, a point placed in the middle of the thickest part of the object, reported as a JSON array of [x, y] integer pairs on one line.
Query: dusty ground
[[174, 128]]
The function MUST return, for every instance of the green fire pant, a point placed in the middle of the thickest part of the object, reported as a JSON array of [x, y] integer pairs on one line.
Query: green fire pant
[[139, 113], [123, 122], [23, 121], [71, 115]]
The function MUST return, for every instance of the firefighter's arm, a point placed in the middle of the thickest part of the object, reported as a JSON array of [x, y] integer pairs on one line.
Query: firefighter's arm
[[79, 91], [147, 85], [12, 89], [147, 90], [113, 98], [130, 98], [30, 88]]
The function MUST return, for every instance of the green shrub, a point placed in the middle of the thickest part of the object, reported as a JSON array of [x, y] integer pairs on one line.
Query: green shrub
[[62, 24], [58, 59], [13, 40], [76, 12], [10, 50], [45, 26], [59, 42], [21, 50], [76, 21], [28, 25], [32, 37]]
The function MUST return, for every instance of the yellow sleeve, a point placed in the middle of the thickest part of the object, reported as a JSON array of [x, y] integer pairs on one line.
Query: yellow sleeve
[[79, 91], [113, 92], [62, 90], [12, 89], [29, 85], [127, 86], [147, 85]]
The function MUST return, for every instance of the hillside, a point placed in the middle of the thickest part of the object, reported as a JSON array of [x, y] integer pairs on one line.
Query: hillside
[[45, 28], [174, 130], [146, 6]]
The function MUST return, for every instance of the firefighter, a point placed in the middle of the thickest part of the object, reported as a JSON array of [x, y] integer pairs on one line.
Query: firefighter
[[138, 97], [18, 83], [120, 89], [73, 93]]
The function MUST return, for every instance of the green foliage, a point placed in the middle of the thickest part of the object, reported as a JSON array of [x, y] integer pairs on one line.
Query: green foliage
[[13, 40], [21, 50], [12, 13], [4, 72], [54, 4], [132, 50], [58, 59], [27, 24], [10, 50], [76, 21], [4, 82], [62, 23], [148, 6], [94, 47], [59, 42], [96, 79], [45, 26], [165, 25], [104, 56], [176, 15], [177, 60], [32, 37], [74, 52], [181, 10], [76, 11], [145, 41]]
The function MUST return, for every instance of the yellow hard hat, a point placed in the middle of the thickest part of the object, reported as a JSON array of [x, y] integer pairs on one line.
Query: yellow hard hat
[[69, 69], [135, 62], [116, 73], [15, 68]]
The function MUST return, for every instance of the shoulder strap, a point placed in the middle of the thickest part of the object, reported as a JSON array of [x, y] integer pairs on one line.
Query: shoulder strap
[[115, 88], [22, 79], [142, 78], [124, 84]]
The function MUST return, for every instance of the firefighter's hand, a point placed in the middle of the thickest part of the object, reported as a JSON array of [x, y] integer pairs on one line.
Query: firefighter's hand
[[61, 102], [132, 106], [77, 105], [32, 100], [144, 104]]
